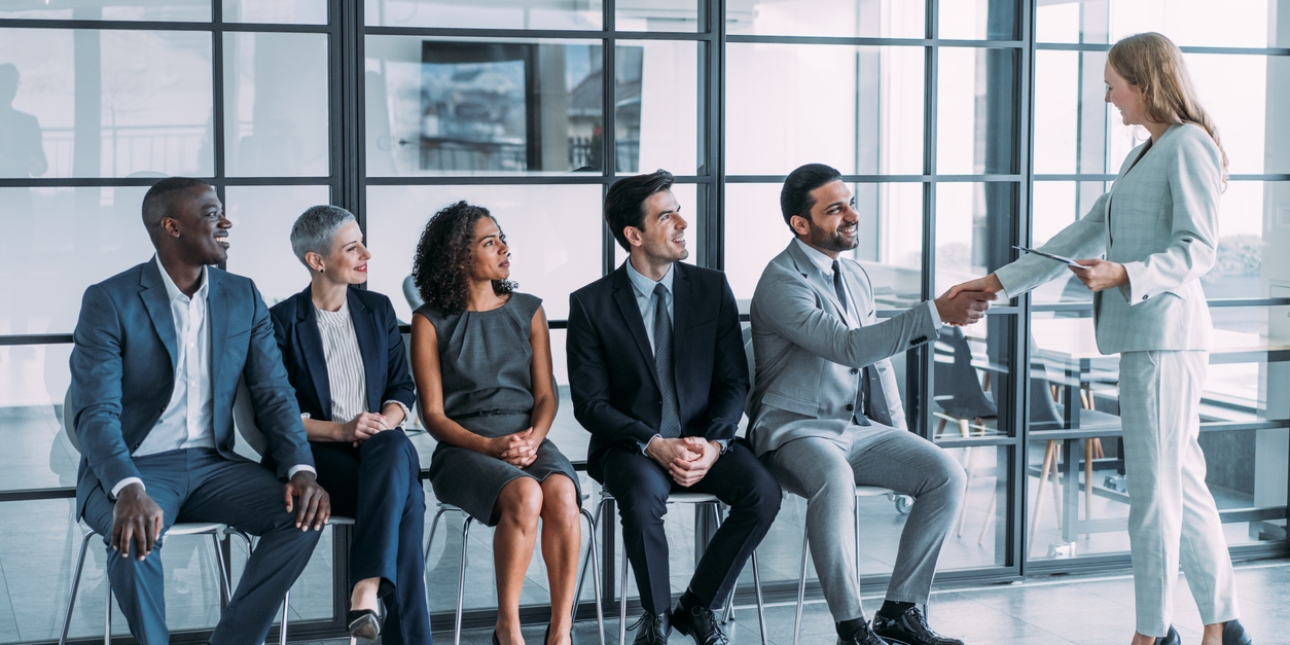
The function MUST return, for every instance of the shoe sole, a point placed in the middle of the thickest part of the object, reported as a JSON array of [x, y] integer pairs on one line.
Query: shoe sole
[[683, 632]]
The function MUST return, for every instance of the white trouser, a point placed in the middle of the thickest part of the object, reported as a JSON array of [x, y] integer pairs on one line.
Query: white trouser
[[1172, 516]]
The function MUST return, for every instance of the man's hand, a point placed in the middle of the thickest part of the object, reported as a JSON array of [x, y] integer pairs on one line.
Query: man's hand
[[961, 307], [135, 517], [362, 427], [1101, 274], [687, 473], [314, 506], [519, 449], [667, 451], [989, 284]]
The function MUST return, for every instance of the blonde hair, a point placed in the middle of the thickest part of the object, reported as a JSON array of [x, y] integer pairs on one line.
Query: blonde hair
[[1155, 64]]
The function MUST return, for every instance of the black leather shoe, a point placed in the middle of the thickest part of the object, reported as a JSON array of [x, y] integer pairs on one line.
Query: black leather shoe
[[364, 625], [1234, 634], [701, 624], [653, 629], [909, 629], [1171, 638], [862, 636]]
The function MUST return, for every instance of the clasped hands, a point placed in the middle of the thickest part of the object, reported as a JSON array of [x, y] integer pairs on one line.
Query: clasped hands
[[364, 427], [1098, 275], [517, 449], [687, 459]]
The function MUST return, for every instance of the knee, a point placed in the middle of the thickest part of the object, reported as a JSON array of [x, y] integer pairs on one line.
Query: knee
[[764, 498], [521, 501], [559, 500], [949, 477], [391, 442]]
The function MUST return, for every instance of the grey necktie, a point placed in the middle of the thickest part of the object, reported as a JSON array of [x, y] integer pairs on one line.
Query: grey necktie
[[837, 286], [863, 391], [669, 426]]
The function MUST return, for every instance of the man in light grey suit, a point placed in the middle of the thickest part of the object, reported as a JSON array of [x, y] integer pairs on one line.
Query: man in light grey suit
[[825, 413]]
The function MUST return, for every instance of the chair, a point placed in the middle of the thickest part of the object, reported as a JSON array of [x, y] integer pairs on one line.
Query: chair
[[461, 579], [861, 492], [959, 394], [213, 529], [675, 498], [411, 294]]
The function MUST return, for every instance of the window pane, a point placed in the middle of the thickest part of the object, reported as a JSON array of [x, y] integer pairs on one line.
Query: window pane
[[262, 217], [976, 112], [1243, 23], [656, 15], [150, 10], [1241, 94], [275, 104], [656, 106], [890, 241], [60, 241], [310, 12], [844, 18], [33, 384], [553, 233], [106, 103], [1071, 113], [973, 225], [978, 19], [501, 14], [858, 109], [453, 107]]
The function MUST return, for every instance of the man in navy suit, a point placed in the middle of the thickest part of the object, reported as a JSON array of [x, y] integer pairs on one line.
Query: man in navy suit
[[159, 351], [658, 376]]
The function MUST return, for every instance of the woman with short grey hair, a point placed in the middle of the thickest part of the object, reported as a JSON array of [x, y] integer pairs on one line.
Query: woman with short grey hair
[[344, 356]]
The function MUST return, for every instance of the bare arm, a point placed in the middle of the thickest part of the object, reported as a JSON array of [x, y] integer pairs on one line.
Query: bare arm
[[545, 399]]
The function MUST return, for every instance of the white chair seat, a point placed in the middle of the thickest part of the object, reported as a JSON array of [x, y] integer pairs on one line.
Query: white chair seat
[[873, 491], [196, 528]]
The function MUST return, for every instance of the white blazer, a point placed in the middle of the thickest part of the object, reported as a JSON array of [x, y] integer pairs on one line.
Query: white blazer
[[1160, 220]]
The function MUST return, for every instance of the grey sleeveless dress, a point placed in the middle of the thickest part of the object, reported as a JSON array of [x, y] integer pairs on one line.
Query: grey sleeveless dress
[[485, 359]]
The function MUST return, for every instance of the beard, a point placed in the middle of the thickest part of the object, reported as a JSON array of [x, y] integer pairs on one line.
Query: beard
[[833, 240]]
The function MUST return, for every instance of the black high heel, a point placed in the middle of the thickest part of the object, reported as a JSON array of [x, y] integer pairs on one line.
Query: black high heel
[[364, 625], [495, 641]]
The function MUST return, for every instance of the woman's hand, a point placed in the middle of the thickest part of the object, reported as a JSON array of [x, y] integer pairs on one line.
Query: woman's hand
[[362, 427], [1101, 274], [519, 449]]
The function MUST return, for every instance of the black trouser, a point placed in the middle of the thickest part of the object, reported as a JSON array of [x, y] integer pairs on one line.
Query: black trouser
[[641, 487]]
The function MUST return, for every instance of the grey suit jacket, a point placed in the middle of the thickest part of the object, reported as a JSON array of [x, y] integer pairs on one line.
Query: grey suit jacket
[[808, 361], [1160, 220]]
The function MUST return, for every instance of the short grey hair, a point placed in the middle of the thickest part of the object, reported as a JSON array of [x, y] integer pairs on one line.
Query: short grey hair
[[315, 229]]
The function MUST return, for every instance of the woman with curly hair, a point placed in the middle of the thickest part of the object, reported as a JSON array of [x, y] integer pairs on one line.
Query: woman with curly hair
[[481, 356]]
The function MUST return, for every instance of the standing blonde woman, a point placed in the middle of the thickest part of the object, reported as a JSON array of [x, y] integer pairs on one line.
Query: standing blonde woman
[[1158, 228]]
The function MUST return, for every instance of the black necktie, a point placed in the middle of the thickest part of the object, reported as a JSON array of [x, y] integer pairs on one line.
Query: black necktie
[[669, 426]]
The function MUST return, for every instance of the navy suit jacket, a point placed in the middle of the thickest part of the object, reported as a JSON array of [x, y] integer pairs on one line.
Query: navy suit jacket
[[385, 364], [123, 372], [611, 366]]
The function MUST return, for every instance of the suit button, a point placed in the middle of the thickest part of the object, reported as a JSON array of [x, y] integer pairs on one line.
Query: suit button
[[850, 407], [162, 410], [855, 371], [1144, 297], [136, 446]]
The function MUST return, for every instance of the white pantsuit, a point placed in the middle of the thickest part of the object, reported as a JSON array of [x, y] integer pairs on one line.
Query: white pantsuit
[[1160, 221]]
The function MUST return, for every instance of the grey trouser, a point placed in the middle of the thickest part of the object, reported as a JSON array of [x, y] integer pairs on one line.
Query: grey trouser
[[1172, 516], [826, 470]]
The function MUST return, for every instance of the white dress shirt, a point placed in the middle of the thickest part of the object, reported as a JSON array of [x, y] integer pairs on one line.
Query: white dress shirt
[[346, 376]]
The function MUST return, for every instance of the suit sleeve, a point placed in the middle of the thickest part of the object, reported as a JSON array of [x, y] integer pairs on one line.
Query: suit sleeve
[[1083, 238], [276, 410], [1195, 181], [398, 383], [729, 389], [589, 385], [97, 372], [790, 310]]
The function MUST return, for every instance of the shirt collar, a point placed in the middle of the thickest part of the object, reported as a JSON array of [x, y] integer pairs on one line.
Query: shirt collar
[[173, 291], [645, 286], [821, 261]]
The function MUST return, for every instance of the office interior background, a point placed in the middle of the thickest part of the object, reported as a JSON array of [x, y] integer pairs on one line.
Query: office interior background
[[964, 127]]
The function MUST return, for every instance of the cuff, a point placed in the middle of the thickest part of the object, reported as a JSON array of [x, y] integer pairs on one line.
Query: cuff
[[1138, 290], [645, 444], [407, 414], [936, 315], [725, 443], [295, 469], [116, 490]]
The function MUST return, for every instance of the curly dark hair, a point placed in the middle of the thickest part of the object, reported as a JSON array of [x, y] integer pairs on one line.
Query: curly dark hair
[[445, 259]]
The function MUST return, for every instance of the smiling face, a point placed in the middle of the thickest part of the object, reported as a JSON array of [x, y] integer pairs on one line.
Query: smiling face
[[833, 224], [491, 255], [663, 239], [1126, 97], [196, 226], [347, 261]]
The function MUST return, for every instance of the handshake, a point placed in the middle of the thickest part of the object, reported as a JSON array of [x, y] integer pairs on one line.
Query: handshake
[[967, 303]]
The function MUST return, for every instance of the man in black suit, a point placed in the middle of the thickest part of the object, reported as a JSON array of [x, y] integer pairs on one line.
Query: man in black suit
[[658, 376]]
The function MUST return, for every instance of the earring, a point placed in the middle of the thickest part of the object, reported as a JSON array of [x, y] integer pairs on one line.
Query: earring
[[322, 270]]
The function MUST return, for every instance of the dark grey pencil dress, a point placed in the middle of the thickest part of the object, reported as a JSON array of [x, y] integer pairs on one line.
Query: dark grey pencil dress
[[485, 359]]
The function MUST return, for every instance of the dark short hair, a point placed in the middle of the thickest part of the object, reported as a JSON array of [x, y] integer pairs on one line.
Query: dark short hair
[[795, 198], [625, 202], [159, 199]]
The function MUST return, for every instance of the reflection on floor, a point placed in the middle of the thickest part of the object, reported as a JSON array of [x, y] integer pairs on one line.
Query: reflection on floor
[[1065, 611]]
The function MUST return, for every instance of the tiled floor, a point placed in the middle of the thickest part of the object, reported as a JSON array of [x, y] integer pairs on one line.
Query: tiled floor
[[1056, 611]]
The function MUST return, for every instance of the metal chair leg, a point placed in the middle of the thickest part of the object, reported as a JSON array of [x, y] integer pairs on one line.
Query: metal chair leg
[[595, 576], [107, 608], [801, 590], [461, 582], [622, 602], [76, 584], [761, 605], [223, 571], [582, 576]]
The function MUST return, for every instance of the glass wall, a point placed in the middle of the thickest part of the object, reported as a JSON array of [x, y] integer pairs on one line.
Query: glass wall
[[962, 128]]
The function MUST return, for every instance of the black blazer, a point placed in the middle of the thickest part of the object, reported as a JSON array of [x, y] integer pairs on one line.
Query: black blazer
[[385, 364], [611, 366]]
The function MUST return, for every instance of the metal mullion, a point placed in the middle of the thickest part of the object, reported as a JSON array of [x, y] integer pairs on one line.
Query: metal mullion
[[888, 179], [1186, 49], [104, 25], [1109, 177], [258, 27], [714, 224], [1018, 491], [217, 89], [874, 41], [35, 339], [474, 180], [919, 386], [455, 32]]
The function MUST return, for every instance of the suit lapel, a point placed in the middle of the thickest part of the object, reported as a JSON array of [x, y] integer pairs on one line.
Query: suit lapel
[[368, 346], [807, 268], [217, 308], [157, 302], [311, 348], [625, 298]]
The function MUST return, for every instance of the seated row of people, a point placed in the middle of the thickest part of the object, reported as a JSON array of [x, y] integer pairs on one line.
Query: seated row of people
[[657, 372]]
